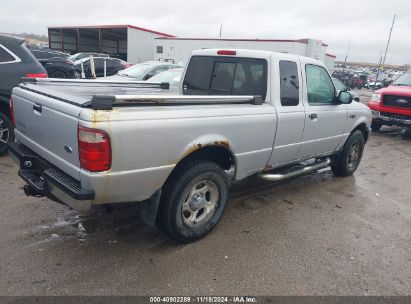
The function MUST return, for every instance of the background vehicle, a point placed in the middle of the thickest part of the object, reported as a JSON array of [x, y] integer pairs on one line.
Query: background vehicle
[[143, 71], [42, 54], [270, 114], [59, 67], [113, 65], [79, 56], [16, 61], [373, 85], [392, 105], [341, 87], [171, 76]]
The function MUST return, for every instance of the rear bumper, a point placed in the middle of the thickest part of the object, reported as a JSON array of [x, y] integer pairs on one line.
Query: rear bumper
[[44, 179]]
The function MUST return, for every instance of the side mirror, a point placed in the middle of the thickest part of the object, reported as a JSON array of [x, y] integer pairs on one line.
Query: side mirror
[[344, 97]]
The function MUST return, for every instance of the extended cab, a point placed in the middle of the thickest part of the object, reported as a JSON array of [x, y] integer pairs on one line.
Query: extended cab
[[392, 105], [240, 113]]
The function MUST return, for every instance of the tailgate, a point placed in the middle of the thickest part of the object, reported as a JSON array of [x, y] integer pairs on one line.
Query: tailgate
[[48, 126]]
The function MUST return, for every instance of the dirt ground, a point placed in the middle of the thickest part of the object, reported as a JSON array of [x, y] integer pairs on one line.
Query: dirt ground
[[313, 235]]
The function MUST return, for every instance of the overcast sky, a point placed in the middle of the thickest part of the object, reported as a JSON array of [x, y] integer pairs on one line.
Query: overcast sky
[[365, 23]]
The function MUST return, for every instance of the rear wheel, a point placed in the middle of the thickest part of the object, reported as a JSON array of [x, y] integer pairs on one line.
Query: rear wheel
[[6, 132], [193, 200], [58, 74], [350, 157]]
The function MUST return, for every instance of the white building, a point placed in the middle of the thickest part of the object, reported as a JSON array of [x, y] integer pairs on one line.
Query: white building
[[136, 44], [176, 49]]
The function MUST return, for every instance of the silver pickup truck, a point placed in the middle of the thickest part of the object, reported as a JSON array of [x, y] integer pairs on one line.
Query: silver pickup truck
[[240, 113]]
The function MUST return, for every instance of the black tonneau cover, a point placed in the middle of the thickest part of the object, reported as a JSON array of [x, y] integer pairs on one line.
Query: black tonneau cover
[[104, 95]]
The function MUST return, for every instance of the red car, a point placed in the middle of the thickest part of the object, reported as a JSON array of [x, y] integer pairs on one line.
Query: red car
[[392, 105]]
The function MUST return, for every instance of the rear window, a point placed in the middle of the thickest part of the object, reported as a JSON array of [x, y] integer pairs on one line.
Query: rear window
[[5, 56], [207, 75], [289, 83]]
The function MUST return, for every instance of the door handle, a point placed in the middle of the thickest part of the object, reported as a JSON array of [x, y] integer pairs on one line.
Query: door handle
[[37, 107], [313, 116]]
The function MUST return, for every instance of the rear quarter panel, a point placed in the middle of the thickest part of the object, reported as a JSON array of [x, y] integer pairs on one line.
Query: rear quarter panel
[[148, 142]]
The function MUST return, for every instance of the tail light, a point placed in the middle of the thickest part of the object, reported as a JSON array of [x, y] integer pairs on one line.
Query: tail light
[[68, 61], [36, 75], [126, 65], [94, 150], [226, 52], [12, 112]]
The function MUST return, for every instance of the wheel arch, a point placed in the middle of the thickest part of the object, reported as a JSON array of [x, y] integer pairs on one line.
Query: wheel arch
[[218, 151], [364, 130]]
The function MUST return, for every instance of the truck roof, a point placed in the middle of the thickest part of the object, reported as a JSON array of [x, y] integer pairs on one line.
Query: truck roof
[[251, 54]]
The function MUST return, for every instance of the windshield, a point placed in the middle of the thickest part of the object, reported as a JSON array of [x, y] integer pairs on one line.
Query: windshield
[[403, 80], [338, 84], [76, 56], [136, 71], [172, 76]]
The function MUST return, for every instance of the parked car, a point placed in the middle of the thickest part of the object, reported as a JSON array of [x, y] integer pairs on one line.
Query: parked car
[[142, 71], [171, 76], [79, 56], [16, 61], [373, 85], [113, 65], [341, 87], [41, 54], [391, 106], [125, 143], [59, 67]]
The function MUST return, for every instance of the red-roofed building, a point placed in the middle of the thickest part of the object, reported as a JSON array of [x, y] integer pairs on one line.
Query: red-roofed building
[[131, 43]]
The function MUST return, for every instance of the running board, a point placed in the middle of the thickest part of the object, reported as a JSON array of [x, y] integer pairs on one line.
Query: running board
[[299, 170]]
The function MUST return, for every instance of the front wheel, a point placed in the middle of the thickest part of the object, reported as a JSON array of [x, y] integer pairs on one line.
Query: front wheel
[[350, 157], [6, 132], [193, 200]]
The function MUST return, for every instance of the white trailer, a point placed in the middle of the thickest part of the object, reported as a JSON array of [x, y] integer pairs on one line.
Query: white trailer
[[177, 49]]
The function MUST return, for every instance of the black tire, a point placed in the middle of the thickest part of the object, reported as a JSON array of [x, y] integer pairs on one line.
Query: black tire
[[172, 218], [58, 74], [376, 126], [346, 164], [6, 132]]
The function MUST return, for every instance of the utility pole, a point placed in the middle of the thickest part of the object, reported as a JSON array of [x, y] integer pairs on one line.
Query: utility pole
[[381, 65], [345, 64], [389, 38], [221, 30]]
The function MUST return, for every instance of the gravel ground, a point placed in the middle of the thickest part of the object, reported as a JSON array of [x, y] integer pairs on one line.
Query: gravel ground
[[314, 235]]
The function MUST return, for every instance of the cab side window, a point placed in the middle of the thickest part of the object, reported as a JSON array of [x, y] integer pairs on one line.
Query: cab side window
[[320, 89], [289, 84]]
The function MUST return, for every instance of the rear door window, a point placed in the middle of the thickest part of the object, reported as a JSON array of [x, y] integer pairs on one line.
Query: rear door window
[[207, 75], [5, 56], [289, 83]]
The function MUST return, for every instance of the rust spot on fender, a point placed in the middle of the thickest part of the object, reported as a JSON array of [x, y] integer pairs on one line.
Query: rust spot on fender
[[222, 143], [267, 168]]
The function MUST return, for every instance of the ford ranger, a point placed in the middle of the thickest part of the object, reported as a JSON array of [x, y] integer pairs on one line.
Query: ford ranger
[[392, 105], [240, 113]]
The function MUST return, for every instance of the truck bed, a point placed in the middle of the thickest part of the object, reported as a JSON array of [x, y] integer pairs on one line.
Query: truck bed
[[82, 92], [104, 95]]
